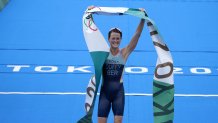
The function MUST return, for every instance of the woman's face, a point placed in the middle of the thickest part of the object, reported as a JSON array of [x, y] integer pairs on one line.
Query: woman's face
[[115, 40]]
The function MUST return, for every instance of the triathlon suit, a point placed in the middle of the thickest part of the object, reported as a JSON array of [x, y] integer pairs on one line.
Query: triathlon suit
[[112, 90]]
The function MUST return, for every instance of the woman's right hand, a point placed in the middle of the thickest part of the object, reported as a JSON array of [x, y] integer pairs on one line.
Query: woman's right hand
[[142, 9], [91, 7]]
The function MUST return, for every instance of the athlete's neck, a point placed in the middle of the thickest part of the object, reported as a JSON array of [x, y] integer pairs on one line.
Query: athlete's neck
[[114, 51]]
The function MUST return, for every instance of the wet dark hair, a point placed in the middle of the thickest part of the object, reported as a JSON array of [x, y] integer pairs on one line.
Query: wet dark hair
[[117, 30]]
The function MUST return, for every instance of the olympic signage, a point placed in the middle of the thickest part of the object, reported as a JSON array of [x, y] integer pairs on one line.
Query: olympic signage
[[25, 68]]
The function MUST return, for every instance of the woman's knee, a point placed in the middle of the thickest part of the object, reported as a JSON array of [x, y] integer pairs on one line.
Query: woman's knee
[[118, 119], [102, 120]]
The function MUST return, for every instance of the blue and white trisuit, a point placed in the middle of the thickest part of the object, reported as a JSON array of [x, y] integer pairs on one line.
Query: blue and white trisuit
[[112, 90]]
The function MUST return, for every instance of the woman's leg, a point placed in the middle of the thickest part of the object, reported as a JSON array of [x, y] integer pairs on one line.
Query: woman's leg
[[104, 107], [118, 119], [102, 120], [118, 105]]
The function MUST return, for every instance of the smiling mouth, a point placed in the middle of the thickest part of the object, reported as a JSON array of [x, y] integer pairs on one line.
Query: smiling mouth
[[115, 44]]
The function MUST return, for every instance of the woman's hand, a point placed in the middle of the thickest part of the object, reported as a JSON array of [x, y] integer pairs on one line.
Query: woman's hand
[[143, 10], [91, 7]]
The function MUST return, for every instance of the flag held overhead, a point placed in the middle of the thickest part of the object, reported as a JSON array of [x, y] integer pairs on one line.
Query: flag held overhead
[[163, 81]]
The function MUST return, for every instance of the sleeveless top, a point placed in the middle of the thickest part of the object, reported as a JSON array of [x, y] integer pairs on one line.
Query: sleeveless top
[[113, 68]]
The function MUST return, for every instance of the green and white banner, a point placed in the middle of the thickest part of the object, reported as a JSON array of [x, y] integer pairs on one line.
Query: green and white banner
[[163, 83], [3, 3]]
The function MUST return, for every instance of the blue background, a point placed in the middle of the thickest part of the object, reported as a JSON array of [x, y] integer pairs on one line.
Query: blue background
[[49, 33]]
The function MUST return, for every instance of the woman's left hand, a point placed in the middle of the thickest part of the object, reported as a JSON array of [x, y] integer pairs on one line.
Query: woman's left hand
[[142, 9]]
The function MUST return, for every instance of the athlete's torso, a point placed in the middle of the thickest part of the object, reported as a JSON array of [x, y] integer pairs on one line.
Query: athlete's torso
[[113, 68], [112, 73]]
